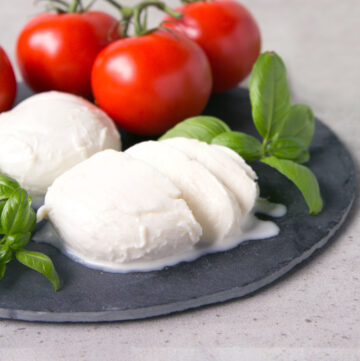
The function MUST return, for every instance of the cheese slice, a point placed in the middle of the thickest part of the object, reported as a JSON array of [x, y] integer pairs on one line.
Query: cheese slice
[[230, 170], [212, 204]]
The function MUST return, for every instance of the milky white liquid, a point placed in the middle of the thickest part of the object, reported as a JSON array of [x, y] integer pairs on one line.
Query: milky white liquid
[[275, 210], [253, 228]]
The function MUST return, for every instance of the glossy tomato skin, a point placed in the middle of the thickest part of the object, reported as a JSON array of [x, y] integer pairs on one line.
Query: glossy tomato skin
[[228, 34], [56, 51], [149, 83], [7, 82]]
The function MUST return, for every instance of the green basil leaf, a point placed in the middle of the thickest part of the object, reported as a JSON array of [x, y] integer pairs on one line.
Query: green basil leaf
[[3, 250], [303, 158], [40, 263], [17, 241], [247, 146], [17, 215], [7, 186], [299, 123], [5, 253], [269, 93], [203, 128], [2, 270], [302, 177], [2, 205], [289, 148], [17, 220]]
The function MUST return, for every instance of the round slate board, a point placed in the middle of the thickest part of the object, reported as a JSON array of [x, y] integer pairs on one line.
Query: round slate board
[[88, 295]]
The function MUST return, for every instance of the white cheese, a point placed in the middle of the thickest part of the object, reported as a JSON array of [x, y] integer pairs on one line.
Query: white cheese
[[231, 170], [212, 204], [113, 210], [49, 133], [237, 158]]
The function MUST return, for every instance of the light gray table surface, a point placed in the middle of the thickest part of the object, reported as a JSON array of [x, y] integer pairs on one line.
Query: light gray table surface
[[311, 314]]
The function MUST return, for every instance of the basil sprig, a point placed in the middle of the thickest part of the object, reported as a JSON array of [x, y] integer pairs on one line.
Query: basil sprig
[[286, 129], [203, 127], [17, 221]]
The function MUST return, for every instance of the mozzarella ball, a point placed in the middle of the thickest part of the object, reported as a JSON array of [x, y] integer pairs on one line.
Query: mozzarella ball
[[49, 133]]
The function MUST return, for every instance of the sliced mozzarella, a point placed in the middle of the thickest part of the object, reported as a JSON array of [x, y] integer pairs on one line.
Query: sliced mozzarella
[[113, 209], [47, 134], [213, 205], [238, 159], [234, 173]]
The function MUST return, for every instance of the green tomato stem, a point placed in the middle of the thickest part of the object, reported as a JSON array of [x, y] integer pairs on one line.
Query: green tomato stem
[[116, 4], [139, 30], [73, 8], [127, 14], [140, 27], [88, 6], [60, 6], [135, 13]]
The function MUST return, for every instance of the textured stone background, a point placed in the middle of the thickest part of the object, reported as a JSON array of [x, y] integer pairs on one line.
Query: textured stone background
[[313, 313]]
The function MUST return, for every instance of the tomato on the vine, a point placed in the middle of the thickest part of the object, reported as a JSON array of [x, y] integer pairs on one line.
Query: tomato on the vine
[[55, 51], [228, 34], [150, 82], [7, 82]]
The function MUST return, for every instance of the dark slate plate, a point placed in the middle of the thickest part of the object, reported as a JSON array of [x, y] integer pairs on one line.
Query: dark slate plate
[[88, 295]]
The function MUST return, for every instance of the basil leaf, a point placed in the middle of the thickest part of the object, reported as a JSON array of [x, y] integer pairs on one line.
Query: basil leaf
[[5, 253], [2, 269], [17, 241], [203, 128], [289, 148], [299, 123], [2, 205], [302, 177], [7, 186], [40, 263], [17, 215], [303, 158], [247, 146], [269, 93], [3, 250], [17, 220]]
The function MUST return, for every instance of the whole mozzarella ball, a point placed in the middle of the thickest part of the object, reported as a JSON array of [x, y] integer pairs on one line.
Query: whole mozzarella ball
[[49, 133]]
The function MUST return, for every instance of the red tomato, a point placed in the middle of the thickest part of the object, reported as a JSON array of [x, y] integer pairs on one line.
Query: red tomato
[[227, 33], [7, 82], [149, 83], [56, 51]]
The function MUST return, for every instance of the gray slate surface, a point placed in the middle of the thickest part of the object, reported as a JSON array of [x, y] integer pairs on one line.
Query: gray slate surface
[[89, 295]]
